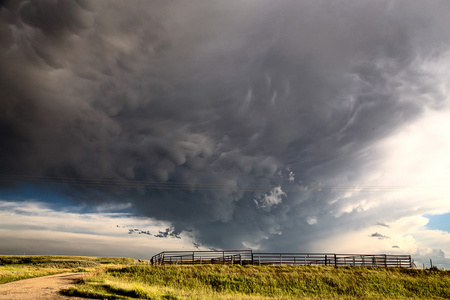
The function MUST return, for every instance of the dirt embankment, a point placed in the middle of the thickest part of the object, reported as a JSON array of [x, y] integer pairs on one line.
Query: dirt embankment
[[40, 288]]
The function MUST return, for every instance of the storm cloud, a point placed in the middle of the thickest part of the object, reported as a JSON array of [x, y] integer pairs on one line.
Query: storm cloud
[[246, 123]]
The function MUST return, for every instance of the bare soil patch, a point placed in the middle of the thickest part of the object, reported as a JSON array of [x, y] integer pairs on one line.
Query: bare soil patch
[[47, 287]]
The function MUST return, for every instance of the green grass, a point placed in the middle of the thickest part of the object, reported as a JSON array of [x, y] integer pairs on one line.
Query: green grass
[[16, 267], [271, 282]]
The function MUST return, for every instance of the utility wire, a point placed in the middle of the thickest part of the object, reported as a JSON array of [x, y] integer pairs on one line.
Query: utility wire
[[117, 183]]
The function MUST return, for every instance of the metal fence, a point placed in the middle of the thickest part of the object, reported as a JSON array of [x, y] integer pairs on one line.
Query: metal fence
[[202, 257], [248, 257]]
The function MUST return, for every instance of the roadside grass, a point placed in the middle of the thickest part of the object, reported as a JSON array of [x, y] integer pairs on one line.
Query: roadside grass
[[262, 282], [16, 267]]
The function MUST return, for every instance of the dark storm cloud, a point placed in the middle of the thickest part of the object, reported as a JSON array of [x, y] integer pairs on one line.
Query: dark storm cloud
[[383, 225], [168, 233], [230, 95], [138, 231], [379, 236]]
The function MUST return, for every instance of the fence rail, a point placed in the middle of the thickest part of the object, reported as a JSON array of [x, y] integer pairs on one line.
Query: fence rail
[[248, 257], [202, 257]]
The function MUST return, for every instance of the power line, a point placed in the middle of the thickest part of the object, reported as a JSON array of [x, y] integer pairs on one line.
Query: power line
[[118, 183]]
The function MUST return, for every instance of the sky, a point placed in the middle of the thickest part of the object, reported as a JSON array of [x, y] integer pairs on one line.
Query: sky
[[127, 129]]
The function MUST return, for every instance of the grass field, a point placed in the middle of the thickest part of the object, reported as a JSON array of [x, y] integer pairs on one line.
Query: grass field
[[265, 282], [125, 278], [16, 267]]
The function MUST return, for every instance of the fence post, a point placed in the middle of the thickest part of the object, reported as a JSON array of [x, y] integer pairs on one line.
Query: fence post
[[240, 259], [335, 260], [223, 257], [326, 258], [281, 259], [385, 261], [353, 260]]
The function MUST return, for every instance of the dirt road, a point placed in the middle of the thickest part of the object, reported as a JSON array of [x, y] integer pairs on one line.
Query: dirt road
[[40, 288]]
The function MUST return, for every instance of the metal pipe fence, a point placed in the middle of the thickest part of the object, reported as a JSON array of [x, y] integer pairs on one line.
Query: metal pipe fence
[[248, 257]]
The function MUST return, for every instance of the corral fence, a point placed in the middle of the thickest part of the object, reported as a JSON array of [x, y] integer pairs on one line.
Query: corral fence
[[227, 257], [248, 257]]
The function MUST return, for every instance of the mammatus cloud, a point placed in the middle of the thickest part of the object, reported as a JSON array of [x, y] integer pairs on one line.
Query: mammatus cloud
[[191, 111]]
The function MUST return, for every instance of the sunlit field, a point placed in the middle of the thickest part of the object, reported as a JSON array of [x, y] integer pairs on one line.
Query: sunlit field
[[126, 278], [16, 267], [263, 282]]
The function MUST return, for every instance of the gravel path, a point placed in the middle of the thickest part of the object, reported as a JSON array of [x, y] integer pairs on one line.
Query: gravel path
[[40, 288]]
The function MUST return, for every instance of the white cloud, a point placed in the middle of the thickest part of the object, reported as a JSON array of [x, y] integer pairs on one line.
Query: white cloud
[[311, 220], [274, 198], [409, 181], [106, 207], [415, 167], [35, 228], [291, 176], [406, 235], [360, 206]]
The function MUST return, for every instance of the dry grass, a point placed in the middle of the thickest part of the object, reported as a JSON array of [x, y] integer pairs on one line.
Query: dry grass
[[16, 267], [265, 282]]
